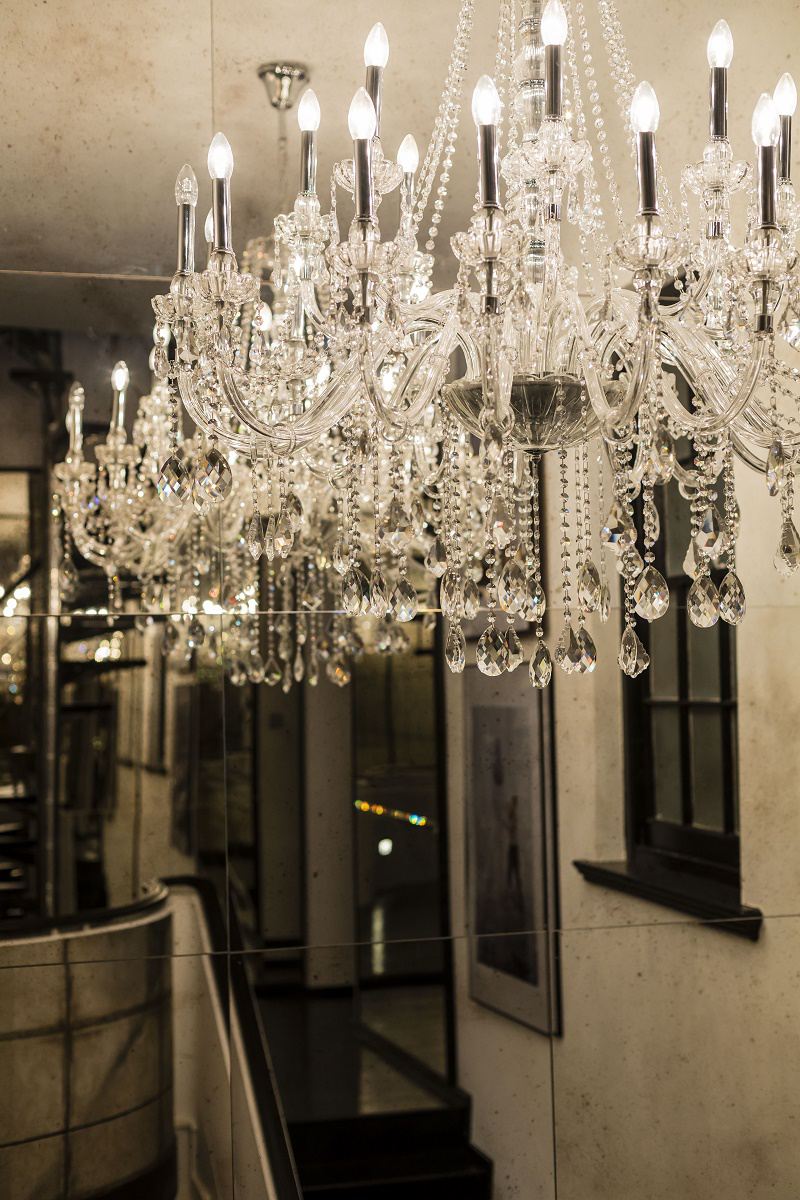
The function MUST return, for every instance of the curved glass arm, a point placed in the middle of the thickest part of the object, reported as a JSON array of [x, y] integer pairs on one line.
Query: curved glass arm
[[725, 391], [642, 367], [428, 361]]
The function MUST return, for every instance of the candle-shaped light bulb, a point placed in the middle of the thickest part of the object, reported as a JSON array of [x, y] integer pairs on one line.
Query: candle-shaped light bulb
[[220, 157], [554, 27], [785, 95], [766, 130], [75, 419], [376, 47], [766, 126], [186, 191], [408, 155], [361, 119], [308, 112], [720, 46], [645, 113], [486, 103], [120, 377], [208, 228]]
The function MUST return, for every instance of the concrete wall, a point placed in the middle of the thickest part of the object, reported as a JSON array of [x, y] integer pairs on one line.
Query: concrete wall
[[676, 1074]]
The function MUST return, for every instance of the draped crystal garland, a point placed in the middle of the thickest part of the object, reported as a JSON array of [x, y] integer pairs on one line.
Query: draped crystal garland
[[387, 424]]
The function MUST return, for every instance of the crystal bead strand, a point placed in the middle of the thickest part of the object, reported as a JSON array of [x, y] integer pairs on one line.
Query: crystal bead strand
[[272, 671], [732, 603], [541, 666], [702, 601], [378, 593], [568, 652], [588, 583], [633, 658], [597, 113]]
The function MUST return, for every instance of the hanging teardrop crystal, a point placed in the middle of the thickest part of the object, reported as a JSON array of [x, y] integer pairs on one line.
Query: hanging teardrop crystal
[[404, 603], [702, 602], [589, 586], [471, 599], [339, 559], [691, 562], [535, 600], [272, 671], [355, 592], [174, 483], [787, 557], [255, 537], [568, 650], [269, 537], [732, 604], [633, 658], [514, 655], [778, 469], [618, 530], [284, 536], [455, 650], [500, 523], [436, 558], [255, 667], [511, 586], [451, 595], [213, 478], [491, 653], [605, 602], [588, 659], [293, 509], [710, 535], [662, 455], [651, 594], [397, 526], [378, 595], [299, 668], [541, 668]]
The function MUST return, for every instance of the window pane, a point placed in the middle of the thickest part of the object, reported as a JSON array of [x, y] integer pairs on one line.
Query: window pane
[[664, 656], [708, 779], [667, 762], [703, 663]]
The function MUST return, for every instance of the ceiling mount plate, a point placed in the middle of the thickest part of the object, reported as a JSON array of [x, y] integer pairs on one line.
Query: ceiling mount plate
[[279, 79]]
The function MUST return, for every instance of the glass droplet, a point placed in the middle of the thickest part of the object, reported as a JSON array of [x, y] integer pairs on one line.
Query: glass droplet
[[541, 668], [514, 655], [455, 650], [651, 594], [702, 602], [491, 651], [633, 658], [589, 586], [404, 603], [787, 557], [732, 604]]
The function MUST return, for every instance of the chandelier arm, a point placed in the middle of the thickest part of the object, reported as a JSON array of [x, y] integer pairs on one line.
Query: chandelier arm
[[728, 400], [641, 373]]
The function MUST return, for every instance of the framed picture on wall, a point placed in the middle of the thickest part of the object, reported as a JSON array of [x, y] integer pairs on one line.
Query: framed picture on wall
[[512, 859]]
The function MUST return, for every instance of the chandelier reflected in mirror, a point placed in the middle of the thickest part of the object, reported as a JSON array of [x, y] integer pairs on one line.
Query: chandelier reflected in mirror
[[386, 424]]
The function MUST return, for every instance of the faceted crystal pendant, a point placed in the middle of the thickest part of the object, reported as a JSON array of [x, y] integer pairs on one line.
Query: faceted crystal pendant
[[702, 603], [589, 586], [284, 536], [451, 595], [213, 478], [272, 671], [174, 484], [492, 654], [255, 667], [169, 638], [455, 650], [471, 599], [541, 668], [605, 602], [691, 564], [710, 536], [293, 509], [511, 586], [500, 523], [339, 559], [436, 558], [588, 659], [255, 537], [355, 592], [311, 597], [535, 600], [787, 558], [196, 633], [397, 526], [732, 604], [299, 668], [378, 595], [568, 651], [633, 658], [778, 469], [269, 537], [338, 670], [662, 455], [404, 603], [651, 594], [618, 531], [514, 655], [492, 450]]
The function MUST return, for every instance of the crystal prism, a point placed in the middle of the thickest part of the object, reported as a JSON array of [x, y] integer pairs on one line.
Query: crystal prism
[[284, 536], [174, 484], [691, 564], [213, 478], [355, 592], [732, 604], [378, 596], [455, 650], [589, 586], [471, 599], [500, 524], [397, 526], [702, 602], [491, 654], [255, 538], [588, 659], [633, 658], [299, 668], [710, 536], [662, 455], [541, 668], [293, 509], [605, 602], [787, 557], [436, 558], [535, 600], [451, 595], [404, 603], [511, 587], [514, 655], [568, 650], [619, 530], [651, 594], [339, 559], [778, 469]]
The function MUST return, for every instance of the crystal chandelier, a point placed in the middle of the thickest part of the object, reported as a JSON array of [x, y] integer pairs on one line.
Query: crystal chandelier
[[413, 422]]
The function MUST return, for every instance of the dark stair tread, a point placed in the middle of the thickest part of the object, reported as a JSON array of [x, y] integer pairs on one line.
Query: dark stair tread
[[406, 1168], [376, 1134]]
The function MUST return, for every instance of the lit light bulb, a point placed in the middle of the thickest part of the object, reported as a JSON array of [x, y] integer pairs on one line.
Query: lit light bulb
[[554, 24], [186, 191], [645, 112], [208, 228], [220, 157], [308, 112], [361, 119], [486, 103], [408, 155], [376, 47], [120, 377], [720, 45], [785, 95], [766, 125]]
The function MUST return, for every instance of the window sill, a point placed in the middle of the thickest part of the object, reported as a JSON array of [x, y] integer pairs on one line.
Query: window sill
[[738, 919]]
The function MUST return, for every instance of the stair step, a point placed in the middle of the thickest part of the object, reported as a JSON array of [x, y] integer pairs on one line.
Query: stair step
[[376, 1134], [453, 1173]]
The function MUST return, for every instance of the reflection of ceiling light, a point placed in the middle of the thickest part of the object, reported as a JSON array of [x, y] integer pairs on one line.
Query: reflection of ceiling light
[[385, 847]]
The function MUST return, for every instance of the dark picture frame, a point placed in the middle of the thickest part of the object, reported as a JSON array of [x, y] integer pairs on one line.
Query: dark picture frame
[[512, 849]]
